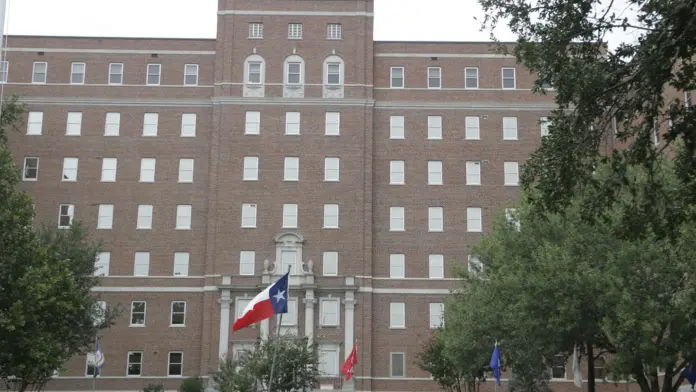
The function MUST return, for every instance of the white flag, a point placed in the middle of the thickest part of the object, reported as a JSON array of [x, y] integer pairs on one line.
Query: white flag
[[577, 373]]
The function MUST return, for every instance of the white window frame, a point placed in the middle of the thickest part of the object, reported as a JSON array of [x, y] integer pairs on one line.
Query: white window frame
[[112, 124], [145, 217], [186, 169], [4, 71], [393, 77], [105, 217], [101, 264], [438, 77], [290, 319], [112, 74], [436, 219], [292, 123], [332, 169], [106, 169], [391, 364], [299, 73], [473, 172], [333, 350], [467, 77], [35, 123], [328, 73], [150, 124], [291, 169], [437, 315], [252, 123], [294, 30], [472, 128], [331, 211], [544, 125], [184, 216], [511, 173], [290, 216], [187, 73], [132, 312], [474, 220], [73, 73], [503, 78], [397, 315], [509, 216], [247, 262], [148, 168], [435, 173], [397, 219], [24, 171], [474, 265], [154, 71], [252, 64], [434, 127], [188, 124], [397, 266], [250, 169], [436, 266], [129, 363], [397, 127], [323, 304], [70, 214], [172, 313], [510, 125], [332, 124], [169, 364], [255, 30], [141, 264], [397, 172], [34, 73], [249, 211], [334, 31], [330, 264], [181, 263], [73, 124]]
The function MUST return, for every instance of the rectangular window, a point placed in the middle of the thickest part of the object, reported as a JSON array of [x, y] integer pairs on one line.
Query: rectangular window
[[328, 359], [31, 169], [4, 71], [255, 30], [434, 172], [188, 124], [290, 216], [295, 31], [329, 313], [66, 212], [330, 263], [183, 217], [508, 75], [397, 172], [333, 73], [290, 319], [397, 365], [254, 72], [434, 127], [141, 264], [40, 72], [434, 77], [112, 124], [331, 216], [544, 125], [108, 172], [191, 75], [242, 303], [509, 128], [135, 363], [436, 266], [397, 219], [333, 31], [181, 263], [397, 266], [473, 173], [74, 124], [69, 169], [512, 218], [292, 123], [332, 126], [437, 315], [105, 219], [77, 73], [397, 77], [178, 314], [116, 73], [294, 73], [397, 127], [397, 315], [291, 170], [474, 221], [101, 264], [153, 74], [186, 170], [147, 169], [253, 123], [150, 124], [35, 123], [512, 173], [247, 261], [249, 215], [138, 313], [474, 265], [251, 169], [332, 168], [176, 364], [471, 78], [436, 219], [473, 131]]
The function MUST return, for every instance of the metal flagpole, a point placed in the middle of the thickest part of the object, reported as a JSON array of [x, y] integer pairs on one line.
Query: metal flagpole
[[279, 321]]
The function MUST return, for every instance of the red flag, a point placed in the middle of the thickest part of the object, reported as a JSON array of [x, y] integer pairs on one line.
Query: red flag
[[352, 359]]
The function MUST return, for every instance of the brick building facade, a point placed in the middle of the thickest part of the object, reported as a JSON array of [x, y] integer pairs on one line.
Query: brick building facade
[[292, 140]]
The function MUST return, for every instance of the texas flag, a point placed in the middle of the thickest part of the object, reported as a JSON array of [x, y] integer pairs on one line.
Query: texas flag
[[272, 300]]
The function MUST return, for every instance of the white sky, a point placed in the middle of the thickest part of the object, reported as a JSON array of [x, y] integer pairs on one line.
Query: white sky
[[395, 20]]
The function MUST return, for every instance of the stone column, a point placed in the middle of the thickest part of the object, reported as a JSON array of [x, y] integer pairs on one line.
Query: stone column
[[265, 327], [349, 305], [309, 302], [225, 301]]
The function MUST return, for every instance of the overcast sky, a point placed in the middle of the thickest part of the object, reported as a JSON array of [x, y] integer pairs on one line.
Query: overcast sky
[[398, 20]]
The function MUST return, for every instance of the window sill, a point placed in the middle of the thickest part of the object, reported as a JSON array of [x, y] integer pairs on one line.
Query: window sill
[[512, 184], [68, 180], [332, 181], [182, 228], [434, 138], [329, 326], [436, 231], [436, 184], [332, 134], [175, 375], [133, 375], [186, 182], [177, 326], [397, 138], [330, 228], [137, 326], [30, 179], [513, 139], [397, 231], [251, 134], [472, 138], [188, 135], [248, 227], [143, 228], [404, 327]]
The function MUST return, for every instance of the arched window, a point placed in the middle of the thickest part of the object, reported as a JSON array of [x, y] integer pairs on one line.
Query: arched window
[[293, 77], [334, 73], [254, 76]]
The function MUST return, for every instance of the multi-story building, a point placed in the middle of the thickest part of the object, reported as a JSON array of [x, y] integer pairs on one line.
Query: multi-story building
[[293, 140]]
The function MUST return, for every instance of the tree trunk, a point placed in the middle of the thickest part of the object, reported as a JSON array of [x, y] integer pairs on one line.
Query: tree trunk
[[590, 369]]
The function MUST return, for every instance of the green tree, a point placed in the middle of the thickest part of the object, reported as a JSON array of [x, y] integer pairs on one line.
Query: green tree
[[559, 281], [47, 313], [296, 368], [192, 384], [467, 373], [639, 83]]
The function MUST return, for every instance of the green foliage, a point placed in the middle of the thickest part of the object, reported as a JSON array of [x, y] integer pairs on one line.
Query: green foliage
[[529, 382], [47, 313], [465, 372], [154, 388], [296, 367], [640, 83], [561, 280], [192, 384]]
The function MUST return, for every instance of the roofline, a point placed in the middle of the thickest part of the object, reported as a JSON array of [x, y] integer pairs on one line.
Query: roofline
[[114, 38]]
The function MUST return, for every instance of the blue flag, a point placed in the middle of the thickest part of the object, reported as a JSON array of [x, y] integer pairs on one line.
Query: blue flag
[[495, 363], [690, 374]]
